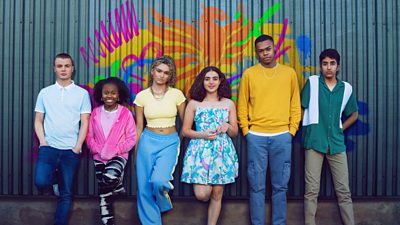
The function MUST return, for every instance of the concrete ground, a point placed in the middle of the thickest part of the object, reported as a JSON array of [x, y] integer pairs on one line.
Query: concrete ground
[[39, 211]]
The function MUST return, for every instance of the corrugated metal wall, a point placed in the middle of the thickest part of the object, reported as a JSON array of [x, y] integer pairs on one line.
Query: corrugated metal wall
[[199, 33]]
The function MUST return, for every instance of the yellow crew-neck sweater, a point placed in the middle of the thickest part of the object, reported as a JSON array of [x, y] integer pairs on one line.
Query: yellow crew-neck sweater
[[269, 100]]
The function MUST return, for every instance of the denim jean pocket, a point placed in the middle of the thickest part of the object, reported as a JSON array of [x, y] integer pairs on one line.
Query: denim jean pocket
[[288, 137], [248, 135], [43, 147], [77, 154]]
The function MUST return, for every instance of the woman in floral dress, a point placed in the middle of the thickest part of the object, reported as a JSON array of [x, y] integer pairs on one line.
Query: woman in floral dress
[[210, 160]]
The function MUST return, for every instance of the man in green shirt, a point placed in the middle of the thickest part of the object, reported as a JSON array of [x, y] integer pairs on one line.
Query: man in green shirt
[[323, 100]]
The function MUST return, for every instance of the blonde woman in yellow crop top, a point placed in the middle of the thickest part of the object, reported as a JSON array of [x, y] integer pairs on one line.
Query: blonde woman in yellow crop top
[[158, 146]]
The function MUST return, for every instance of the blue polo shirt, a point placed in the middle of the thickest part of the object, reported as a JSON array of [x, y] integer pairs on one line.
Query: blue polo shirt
[[62, 108]]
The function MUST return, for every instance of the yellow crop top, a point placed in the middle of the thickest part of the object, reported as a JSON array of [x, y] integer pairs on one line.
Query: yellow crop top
[[160, 113]]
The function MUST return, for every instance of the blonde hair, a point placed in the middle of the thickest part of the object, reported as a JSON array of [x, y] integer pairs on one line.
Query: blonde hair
[[167, 60]]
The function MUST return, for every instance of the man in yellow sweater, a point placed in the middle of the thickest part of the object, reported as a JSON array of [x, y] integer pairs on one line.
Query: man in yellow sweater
[[269, 114]]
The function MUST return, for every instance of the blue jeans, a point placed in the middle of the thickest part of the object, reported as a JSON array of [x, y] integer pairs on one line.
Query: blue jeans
[[275, 151], [66, 161]]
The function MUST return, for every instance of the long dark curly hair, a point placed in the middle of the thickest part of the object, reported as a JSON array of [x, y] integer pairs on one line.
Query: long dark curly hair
[[198, 92], [123, 91], [169, 61]]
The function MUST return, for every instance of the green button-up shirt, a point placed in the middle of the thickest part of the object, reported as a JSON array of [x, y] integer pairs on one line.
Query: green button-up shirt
[[327, 134]]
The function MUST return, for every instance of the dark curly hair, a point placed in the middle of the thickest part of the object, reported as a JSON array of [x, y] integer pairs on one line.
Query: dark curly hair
[[169, 61], [198, 92], [123, 91]]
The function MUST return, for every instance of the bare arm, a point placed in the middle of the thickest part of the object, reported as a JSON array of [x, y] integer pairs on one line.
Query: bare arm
[[233, 126], [139, 114], [188, 122], [349, 121], [181, 114], [181, 110], [82, 133], [39, 129]]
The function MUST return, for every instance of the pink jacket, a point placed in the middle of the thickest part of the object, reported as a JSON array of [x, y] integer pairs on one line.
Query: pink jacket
[[120, 140]]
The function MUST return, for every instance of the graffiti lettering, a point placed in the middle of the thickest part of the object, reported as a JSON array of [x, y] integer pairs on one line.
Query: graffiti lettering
[[127, 28]]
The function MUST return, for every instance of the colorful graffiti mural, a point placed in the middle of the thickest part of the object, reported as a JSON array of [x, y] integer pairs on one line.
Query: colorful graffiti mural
[[214, 40]]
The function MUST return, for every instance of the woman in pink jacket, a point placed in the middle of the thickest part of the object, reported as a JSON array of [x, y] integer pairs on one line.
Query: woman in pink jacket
[[111, 135]]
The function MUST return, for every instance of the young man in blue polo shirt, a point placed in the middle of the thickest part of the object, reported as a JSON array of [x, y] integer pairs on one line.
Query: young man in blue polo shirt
[[324, 99], [61, 122]]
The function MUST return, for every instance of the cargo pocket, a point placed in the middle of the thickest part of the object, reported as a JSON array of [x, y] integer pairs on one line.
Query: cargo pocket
[[253, 175]]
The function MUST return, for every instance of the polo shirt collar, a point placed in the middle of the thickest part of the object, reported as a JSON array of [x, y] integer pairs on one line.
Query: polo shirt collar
[[66, 87]]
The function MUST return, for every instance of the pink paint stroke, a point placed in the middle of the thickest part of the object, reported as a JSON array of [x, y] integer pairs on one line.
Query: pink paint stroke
[[279, 53]]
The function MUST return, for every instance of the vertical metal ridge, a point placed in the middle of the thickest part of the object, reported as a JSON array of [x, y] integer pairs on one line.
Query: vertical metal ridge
[[366, 33]]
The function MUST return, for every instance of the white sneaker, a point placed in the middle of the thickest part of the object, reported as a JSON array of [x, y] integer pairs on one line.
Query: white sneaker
[[55, 190]]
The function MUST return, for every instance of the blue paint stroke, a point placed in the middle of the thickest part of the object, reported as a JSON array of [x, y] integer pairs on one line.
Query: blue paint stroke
[[359, 128], [303, 44], [234, 78], [129, 70], [128, 74]]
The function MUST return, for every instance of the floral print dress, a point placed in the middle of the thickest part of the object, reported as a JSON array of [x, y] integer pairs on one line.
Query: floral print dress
[[210, 161]]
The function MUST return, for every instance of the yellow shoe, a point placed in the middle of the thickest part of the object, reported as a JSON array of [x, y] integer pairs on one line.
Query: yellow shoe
[[166, 203]]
